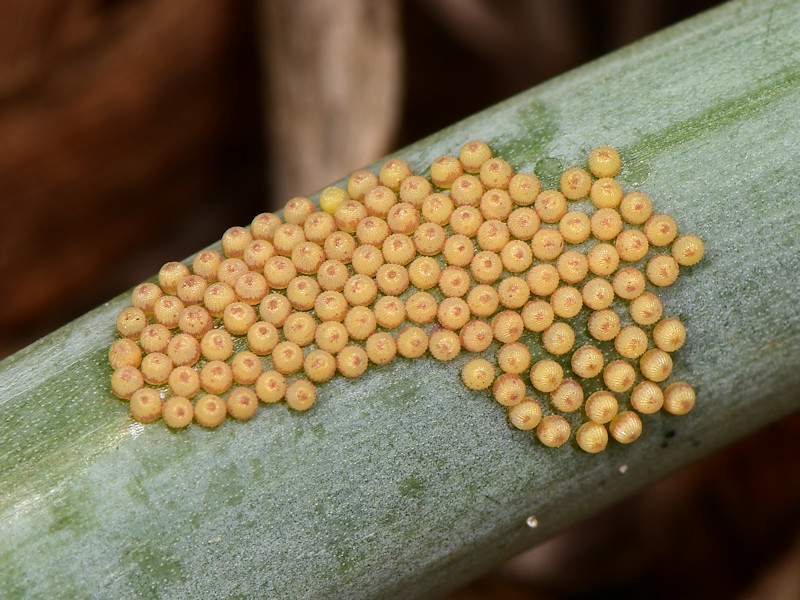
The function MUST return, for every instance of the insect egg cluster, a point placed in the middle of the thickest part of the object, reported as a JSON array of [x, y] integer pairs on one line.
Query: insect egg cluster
[[474, 259]]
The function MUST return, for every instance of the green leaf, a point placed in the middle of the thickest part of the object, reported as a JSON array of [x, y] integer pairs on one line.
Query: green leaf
[[403, 483]]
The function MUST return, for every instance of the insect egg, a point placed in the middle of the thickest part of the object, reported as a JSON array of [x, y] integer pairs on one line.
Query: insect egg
[[238, 318], [270, 387], [332, 275], [131, 322], [319, 366], [543, 279], [516, 256], [287, 358], [525, 415], [264, 225], [287, 236], [429, 239], [156, 368], [558, 338], [424, 273], [234, 241], [183, 350], [606, 193], [523, 223], [184, 381], [662, 270], [381, 348], [660, 230], [361, 290], [566, 302], [466, 220], [508, 389], [146, 405], [496, 204], [393, 172], [454, 282], [297, 210], [177, 412], [604, 161], [537, 315], [242, 403], [318, 227], [124, 352], [514, 358], [217, 296], [331, 198], [167, 310], [421, 307], [575, 227], [300, 328], [403, 218], [587, 361], [330, 306], [458, 250], [170, 275], [217, 344], [592, 437], [604, 325], [631, 245], [473, 154], [679, 398], [279, 272], [486, 267], [339, 246], [524, 188], [349, 214], [352, 361], [437, 208], [493, 235], [392, 280], [444, 170], [507, 326], [359, 183], [379, 200], [301, 395], [647, 397], [572, 266], [144, 296], [551, 205], [251, 287], [412, 342], [360, 322], [628, 283], [307, 257], [398, 249], [646, 309], [466, 190], [669, 334], [246, 367], [125, 381], [155, 338], [546, 375], [597, 293], [513, 292], [631, 342], [575, 183], [257, 253], [389, 311], [331, 336], [625, 427], [453, 313], [606, 224], [568, 396], [496, 173], [302, 292], [483, 300], [274, 309], [688, 250], [444, 345], [601, 406], [206, 263], [476, 336], [210, 411], [547, 244], [372, 231], [619, 376], [415, 190], [553, 431], [655, 364], [216, 377]]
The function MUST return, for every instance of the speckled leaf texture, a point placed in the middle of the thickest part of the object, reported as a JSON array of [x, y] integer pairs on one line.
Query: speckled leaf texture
[[404, 484]]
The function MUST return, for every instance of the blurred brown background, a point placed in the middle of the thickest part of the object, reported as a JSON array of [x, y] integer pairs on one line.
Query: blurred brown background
[[133, 132]]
